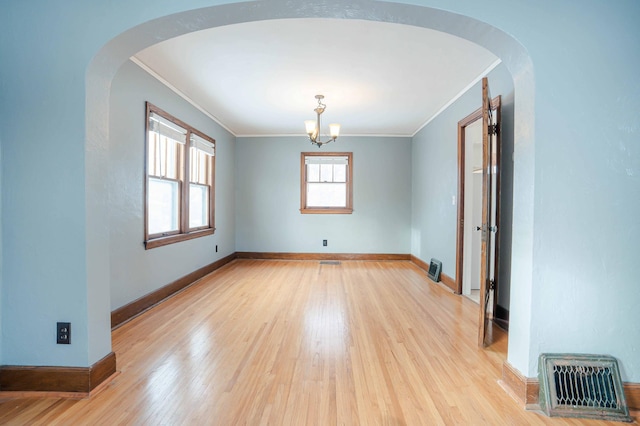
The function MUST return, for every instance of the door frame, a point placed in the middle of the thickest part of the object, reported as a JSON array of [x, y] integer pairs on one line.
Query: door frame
[[462, 124]]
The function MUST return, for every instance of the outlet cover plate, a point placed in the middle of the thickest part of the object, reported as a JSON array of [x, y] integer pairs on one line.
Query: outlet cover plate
[[63, 333]]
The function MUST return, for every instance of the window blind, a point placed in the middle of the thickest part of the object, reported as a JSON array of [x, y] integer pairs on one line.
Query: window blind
[[326, 160], [167, 128], [203, 145]]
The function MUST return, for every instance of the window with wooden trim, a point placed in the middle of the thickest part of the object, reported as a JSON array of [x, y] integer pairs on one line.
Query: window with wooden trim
[[326, 182], [179, 180]]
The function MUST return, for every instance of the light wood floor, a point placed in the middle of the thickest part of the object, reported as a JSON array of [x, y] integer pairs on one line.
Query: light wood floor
[[297, 343]]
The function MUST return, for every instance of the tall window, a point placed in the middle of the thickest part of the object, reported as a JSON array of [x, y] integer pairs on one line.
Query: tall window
[[326, 183], [179, 181], [201, 153]]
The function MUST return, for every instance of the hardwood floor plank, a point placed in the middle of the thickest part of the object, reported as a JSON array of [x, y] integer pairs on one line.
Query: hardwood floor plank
[[289, 342]]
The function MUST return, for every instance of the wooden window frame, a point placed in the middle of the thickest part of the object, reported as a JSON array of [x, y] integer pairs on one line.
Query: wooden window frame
[[303, 184], [184, 233]]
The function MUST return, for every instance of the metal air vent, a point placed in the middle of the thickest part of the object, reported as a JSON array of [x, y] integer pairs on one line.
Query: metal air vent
[[586, 386], [434, 270]]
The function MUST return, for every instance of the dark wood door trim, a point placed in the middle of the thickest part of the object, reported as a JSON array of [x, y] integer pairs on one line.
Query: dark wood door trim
[[462, 124]]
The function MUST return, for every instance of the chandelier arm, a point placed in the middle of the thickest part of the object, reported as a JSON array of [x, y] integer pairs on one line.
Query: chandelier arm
[[315, 136]]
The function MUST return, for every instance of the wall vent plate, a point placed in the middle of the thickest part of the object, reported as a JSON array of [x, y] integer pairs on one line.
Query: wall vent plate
[[434, 269], [577, 385]]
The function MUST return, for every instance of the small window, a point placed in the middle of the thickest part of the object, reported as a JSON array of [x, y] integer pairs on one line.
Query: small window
[[179, 181], [326, 182]]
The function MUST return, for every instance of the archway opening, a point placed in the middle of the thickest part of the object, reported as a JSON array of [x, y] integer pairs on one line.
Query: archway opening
[[115, 53]]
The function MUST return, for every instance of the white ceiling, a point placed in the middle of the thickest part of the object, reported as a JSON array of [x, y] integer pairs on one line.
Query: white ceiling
[[260, 78]]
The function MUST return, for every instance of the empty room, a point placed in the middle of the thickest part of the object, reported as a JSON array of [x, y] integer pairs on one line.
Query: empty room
[[319, 212]]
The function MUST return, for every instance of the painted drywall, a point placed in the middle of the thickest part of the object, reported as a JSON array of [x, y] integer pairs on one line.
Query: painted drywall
[[587, 180], [43, 197], [576, 162], [435, 176], [135, 271], [506, 188], [268, 197]]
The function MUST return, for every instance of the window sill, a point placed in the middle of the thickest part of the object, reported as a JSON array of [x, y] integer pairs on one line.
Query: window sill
[[319, 210], [172, 239]]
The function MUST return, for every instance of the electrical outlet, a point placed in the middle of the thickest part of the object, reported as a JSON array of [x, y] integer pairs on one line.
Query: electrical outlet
[[324, 243], [64, 333]]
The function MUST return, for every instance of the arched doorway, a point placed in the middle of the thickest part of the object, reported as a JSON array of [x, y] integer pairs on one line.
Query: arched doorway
[[106, 63]]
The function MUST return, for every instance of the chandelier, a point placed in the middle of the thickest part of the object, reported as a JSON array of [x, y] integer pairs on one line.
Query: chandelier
[[313, 126]]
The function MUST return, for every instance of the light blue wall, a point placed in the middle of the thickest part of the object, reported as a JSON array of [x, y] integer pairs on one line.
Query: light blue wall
[[43, 236], [134, 270], [587, 180], [268, 198], [576, 182], [435, 179]]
